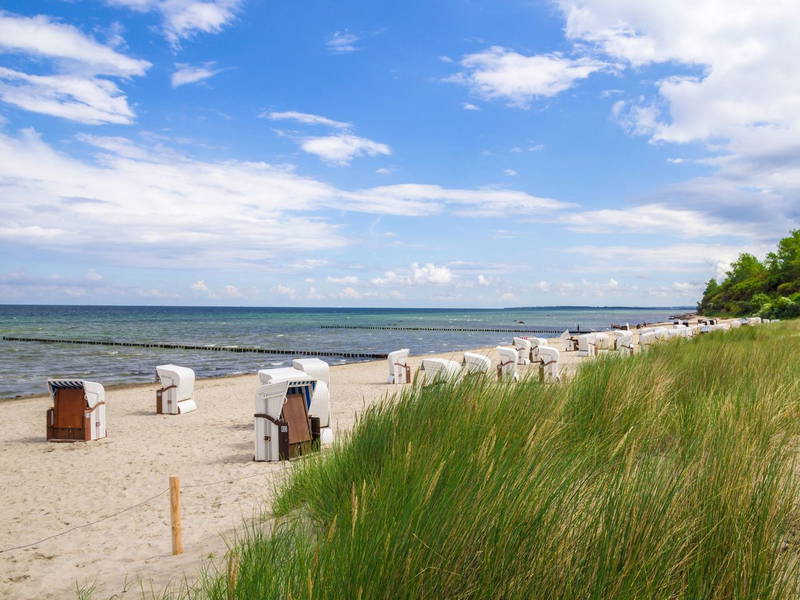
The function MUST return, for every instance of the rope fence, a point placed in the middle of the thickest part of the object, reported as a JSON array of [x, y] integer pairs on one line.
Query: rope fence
[[126, 509]]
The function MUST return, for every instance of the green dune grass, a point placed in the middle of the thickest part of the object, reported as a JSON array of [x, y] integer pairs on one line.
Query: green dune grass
[[666, 475]]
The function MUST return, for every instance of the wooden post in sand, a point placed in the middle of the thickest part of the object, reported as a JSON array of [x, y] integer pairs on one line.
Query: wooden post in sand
[[175, 514]]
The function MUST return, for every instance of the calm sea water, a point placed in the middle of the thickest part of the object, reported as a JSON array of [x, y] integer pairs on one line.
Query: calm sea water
[[25, 366]]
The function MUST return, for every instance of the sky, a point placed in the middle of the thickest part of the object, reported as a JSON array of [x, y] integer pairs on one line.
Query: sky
[[440, 153]]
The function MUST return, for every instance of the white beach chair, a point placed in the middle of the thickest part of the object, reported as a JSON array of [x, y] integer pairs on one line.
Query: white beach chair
[[315, 392], [270, 399], [604, 342], [79, 410], [548, 364], [754, 321], [535, 343], [647, 340], [623, 341], [176, 395], [523, 348], [476, 363], [439, 369], [735, 324], [507, 367], [586, 345], [399, 370]]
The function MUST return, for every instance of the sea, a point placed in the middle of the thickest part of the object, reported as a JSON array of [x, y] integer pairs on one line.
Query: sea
[[25, 366]]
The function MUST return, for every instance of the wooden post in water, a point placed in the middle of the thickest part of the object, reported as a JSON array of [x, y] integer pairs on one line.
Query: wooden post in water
[[175, 514]]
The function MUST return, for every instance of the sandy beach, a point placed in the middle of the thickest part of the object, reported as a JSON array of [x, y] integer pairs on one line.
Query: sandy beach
[[50, 488]]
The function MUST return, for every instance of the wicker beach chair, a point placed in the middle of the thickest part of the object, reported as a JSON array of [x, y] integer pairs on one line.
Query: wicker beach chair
[[399, 369], [548, 364], [79, 411], [507, 366], [176, 395], [435, 370], [315, 392], [476, 363], [586, 345], [523, 348]]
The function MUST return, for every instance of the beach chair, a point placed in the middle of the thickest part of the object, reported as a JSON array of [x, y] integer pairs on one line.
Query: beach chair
[[271, 430], [523, 348], [79, 411], [754, 321], [535, 343], [604, 342], [476, 363], [177, 390], [586, 345], [314, 391], [435, 370], [647, 340], [507, 367], [623, 341], [399, 370], [548, 364]]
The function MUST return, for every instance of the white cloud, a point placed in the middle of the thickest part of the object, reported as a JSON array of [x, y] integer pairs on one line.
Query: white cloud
[[418, 200], [509, 172], [530, 148], [80, 89], [306, 118], [499, 72], [89, 100], [612, 284], [383, 171], [309, 263], [201, 288], [232, 291], [349, 292], [184, 73], [417, 274], [182, 19], [285, 290], [732, 82], [654, 219], [483, 280], [508, 297], [430, 273], [42, 36], [342, 42], [469, 106], [543, 286], [389, 278], [93, 275], [347, 279], [158, 209], [707, 260], [341, 149]]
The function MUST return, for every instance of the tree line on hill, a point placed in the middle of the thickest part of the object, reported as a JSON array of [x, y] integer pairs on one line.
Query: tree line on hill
[[769, 288]]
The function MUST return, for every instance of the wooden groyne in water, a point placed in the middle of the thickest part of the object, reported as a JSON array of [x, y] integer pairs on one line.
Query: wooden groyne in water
[[542, 330], [254, 349]]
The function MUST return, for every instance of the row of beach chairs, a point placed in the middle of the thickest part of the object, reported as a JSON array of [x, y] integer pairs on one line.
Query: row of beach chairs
[[293, 403]]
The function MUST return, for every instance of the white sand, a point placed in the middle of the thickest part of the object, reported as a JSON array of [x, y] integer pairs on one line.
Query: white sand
[[50, 487]]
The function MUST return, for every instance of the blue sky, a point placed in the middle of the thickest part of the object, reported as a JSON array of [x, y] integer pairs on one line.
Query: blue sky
[[451, 153]]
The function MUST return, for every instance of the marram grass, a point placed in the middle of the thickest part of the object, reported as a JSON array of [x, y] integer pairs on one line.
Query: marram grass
[[665, 475]]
